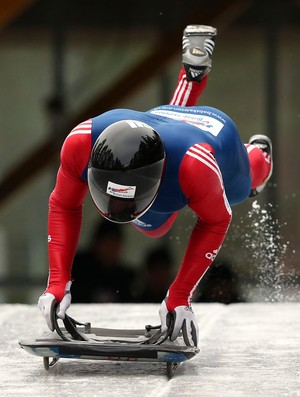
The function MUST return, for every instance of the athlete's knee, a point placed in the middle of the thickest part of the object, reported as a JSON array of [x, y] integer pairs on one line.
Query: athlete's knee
[[160, 230]]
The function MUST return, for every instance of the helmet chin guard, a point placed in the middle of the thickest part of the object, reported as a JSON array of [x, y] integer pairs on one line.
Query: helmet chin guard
[[125, 170]]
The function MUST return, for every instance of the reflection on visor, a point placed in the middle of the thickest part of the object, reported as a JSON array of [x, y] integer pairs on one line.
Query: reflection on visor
[[121, 210]]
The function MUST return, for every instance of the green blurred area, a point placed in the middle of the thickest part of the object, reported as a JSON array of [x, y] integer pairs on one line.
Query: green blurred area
[[94, 57]]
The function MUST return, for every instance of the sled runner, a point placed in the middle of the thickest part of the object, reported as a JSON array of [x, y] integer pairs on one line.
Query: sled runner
[[75, 340]]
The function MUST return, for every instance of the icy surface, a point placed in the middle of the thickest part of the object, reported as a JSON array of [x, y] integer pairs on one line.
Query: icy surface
[[246, 350]]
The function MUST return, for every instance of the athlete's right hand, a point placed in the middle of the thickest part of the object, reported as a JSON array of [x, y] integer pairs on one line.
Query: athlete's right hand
[[47, 303]]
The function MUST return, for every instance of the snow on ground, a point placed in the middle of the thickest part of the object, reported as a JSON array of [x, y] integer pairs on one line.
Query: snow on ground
[[247, 349]]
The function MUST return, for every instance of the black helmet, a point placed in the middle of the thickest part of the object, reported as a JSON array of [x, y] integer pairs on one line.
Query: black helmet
[[125, 170]]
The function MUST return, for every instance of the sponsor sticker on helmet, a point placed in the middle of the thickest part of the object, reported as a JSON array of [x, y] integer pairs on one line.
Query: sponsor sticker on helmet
[[122, 191]]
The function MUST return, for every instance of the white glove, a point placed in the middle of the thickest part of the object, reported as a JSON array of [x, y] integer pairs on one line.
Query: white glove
[[165, 316], [46, 305], [182, 318], [65, 302]]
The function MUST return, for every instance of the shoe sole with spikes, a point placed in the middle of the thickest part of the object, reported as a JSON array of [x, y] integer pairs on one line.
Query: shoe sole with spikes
[[197, 48]]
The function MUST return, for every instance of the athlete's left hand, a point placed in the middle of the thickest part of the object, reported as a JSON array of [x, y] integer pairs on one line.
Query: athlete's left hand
[[182, 318]]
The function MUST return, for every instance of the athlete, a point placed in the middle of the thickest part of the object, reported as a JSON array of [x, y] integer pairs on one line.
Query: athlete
[[143, 167]]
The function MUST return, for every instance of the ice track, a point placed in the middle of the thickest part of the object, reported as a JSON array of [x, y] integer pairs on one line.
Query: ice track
[[246, 350]]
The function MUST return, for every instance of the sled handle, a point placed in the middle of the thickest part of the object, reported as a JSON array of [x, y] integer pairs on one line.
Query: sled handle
[[70, 326]]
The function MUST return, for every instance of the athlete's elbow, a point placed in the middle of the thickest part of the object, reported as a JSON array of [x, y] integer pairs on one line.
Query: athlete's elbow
[[56, 204]]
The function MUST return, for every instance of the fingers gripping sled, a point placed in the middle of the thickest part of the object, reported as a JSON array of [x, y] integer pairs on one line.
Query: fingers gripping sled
[[82, 341]]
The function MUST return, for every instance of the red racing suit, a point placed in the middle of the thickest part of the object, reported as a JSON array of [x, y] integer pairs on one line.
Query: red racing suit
[[207, 200]]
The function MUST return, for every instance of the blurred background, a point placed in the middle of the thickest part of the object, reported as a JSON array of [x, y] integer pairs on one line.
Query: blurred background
[[63, 61]]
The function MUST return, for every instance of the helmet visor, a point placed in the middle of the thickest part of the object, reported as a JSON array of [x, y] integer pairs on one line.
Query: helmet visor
[[123, 196]]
